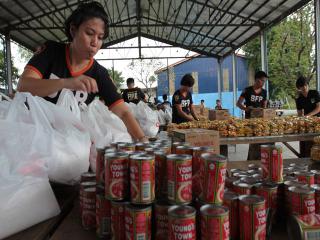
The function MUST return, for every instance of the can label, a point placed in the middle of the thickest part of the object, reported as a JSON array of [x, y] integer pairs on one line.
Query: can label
[[215, 227], [317, 178], [100, 167], [233, 205], [179, 180], [88, 215], [270, 195], [310, 225], [138, 224], [118, 221], [103, 216], [302, 203], [213, 175], [161, 179], [142, 181], [182, 228], [254, 226], [307, 179], [317, 201], [272, 163], [161, 222], [116, 178]]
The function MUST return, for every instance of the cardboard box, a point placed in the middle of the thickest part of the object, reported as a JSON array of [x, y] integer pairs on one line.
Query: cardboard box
[[198, 112], [198, 137], [265, 113], [222, 114]]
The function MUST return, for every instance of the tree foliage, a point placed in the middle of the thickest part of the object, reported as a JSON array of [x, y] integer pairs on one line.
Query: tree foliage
[[143, 71], [3, 76], [116, 77], [291, 53]]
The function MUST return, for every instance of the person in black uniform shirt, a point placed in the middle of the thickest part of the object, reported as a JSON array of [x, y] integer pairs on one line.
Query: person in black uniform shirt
[[308, 104], [254, 97], [57, 65], [132, 94], [182, 104]]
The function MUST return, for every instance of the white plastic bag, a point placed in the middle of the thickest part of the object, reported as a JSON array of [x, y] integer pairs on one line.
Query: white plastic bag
[[24, 202], [104, 126], [147, 118], [69, 102], [161, 117], [69, 140]]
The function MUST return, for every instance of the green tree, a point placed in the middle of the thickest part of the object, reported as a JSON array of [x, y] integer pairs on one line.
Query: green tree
[[290, 53], [116, 77], [3, 77]]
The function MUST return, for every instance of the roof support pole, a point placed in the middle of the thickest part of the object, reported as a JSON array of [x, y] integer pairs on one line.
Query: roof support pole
[[317, 21], [219, 70], [264, 57], [168, 91], [234, 81], [8, 63]]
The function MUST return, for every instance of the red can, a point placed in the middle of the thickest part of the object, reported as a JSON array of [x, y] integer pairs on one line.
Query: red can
[[231, 200], [305, 177], [272, 163], [103, 216], [100, 167], [269, 191], [118, 220], [214, 222], [138, 223], [253, 212], [117, 165], [316, 176], [253, 166], [302, 200], [229, 182], [184, 150], [83, 186], [213, 173], [88, 177], [161, 173], [182, 223], [176, 144], [161, 214], [140, 146], [196, 161], [142, 179], [287, 200], [179, 173], [88, 215], [316, 188], [123, 147], [242, 188]]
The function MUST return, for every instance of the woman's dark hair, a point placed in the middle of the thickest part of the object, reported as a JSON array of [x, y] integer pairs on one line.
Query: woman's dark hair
[[84, 12], [301, 81], [187, 80]]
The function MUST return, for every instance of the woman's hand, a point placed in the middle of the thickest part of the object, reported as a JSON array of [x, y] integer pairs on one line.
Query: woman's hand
[[82, 83]]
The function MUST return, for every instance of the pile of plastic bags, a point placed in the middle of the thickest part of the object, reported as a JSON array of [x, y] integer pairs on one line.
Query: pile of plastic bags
[[41, 141]]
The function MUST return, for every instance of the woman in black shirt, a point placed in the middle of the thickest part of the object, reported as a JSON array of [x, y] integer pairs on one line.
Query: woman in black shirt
[[57, 65], [182, 104]]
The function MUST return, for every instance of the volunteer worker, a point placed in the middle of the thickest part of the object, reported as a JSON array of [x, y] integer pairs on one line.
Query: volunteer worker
[[254, 97], [132, 94], [308, 104], [58, 65], [182, 104]]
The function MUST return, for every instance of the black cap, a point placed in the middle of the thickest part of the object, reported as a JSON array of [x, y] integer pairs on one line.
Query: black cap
[[260, 74]]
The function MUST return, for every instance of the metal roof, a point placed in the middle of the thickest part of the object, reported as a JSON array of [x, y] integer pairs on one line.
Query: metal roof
[[210, 27]]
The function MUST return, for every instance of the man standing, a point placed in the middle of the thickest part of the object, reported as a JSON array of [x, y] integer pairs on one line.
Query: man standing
[[308, 104], [218, 105], [254, 97], [132, 94]]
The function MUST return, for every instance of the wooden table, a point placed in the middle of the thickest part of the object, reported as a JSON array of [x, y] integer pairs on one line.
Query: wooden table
[[70, 228], [225, 141]]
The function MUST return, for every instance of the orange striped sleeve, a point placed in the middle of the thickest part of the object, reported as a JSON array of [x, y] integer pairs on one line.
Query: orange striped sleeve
[[116, 103], [34, 69]]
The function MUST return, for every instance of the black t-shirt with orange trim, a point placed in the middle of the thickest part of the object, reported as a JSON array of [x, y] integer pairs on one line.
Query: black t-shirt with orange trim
[[52, 62], [185, 101]]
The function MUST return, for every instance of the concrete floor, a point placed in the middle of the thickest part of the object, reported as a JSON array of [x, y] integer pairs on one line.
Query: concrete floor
[[240, 151]]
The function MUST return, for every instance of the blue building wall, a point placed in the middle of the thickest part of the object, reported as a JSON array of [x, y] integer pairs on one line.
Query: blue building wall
[[208, 80]]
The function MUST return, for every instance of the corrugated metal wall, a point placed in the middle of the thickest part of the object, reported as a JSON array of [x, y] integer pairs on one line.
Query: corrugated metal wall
[[205, 72]]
